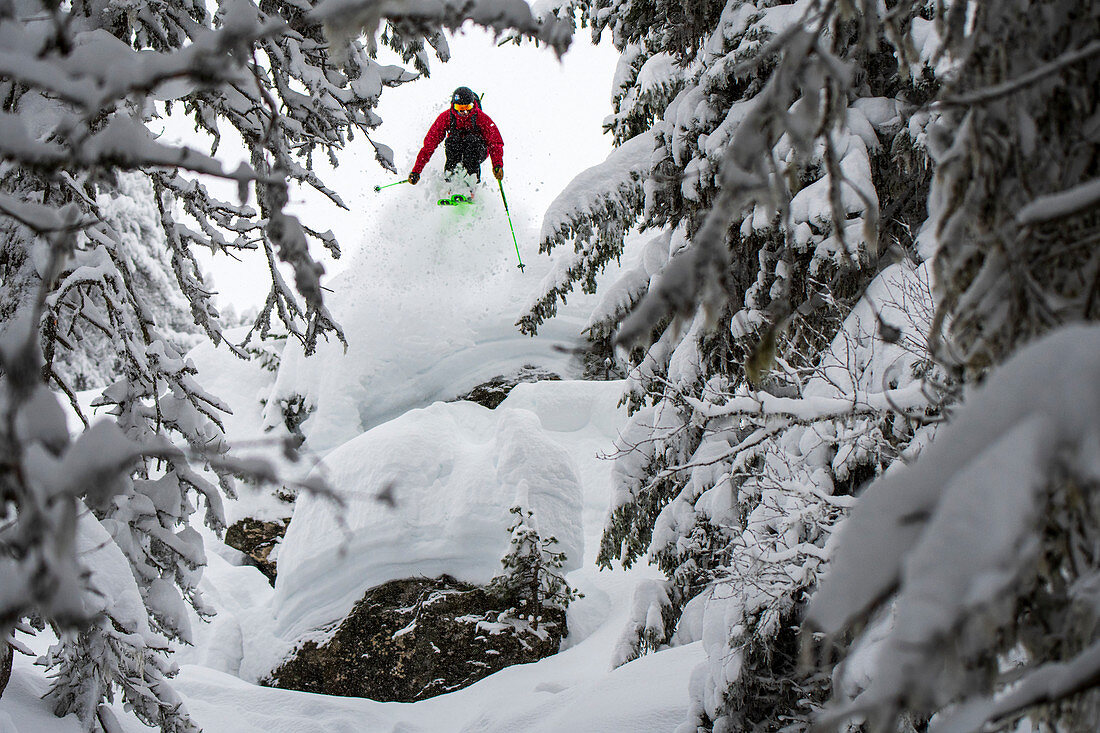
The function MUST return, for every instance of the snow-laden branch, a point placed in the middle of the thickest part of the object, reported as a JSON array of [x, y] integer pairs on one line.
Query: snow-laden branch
[[427, 16], [123, 143], [1046, 684], [1011, 86], [612, 179], [911, 399], [953, 539], [107, 70], [1058, 205], [594, 211], [40, 218]]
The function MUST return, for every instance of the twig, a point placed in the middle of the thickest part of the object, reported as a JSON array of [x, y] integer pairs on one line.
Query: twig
[[1013, 85]]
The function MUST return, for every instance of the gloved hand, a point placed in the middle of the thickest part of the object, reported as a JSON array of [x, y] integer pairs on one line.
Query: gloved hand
[[414, 177], [498, 172]]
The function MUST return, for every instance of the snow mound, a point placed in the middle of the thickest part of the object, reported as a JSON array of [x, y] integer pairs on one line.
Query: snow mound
[[424, 494], [648, 694]]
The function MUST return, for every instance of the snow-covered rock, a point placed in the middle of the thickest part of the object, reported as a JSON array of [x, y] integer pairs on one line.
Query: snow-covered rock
[[422, 495], [583, 418], [418, 638]]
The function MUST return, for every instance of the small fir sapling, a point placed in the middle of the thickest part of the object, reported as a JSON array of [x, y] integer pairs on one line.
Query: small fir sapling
[[530, 582]]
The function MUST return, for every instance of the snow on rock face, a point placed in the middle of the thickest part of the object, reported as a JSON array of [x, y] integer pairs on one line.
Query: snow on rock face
[[417, 638], [453, 471]]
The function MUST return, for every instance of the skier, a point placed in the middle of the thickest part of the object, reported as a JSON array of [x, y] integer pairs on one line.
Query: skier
[[470, 137]]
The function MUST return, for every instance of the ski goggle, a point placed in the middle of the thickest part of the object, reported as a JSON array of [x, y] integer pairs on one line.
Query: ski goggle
[[463, 107]]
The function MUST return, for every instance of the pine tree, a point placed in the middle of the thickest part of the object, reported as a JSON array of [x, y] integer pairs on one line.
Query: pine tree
[[776, 312], [1012, 215], [777, 226], [531, 582]]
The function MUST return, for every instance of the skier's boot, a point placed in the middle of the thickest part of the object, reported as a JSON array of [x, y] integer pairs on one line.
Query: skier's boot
[[461, 186]]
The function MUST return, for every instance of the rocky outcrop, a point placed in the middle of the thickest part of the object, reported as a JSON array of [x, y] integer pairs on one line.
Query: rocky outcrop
[[412, 639], [492, 393], [257, 539]]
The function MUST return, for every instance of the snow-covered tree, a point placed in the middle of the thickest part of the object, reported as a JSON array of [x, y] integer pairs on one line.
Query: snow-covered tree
[[784, 151], [982, 601], [531, 578], [766, 197], [92, 207]]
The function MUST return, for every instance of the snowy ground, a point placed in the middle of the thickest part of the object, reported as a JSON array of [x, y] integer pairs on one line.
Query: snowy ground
[[574, 689], [428, 298]]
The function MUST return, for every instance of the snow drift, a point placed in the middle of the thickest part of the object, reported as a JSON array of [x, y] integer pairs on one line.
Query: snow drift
[[429, 493], [452, 470]]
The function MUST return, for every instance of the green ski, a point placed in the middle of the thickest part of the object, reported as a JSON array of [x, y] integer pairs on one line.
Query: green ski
[[456, 199]]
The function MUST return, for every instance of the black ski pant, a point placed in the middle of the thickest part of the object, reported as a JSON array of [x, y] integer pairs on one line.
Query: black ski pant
[[465, 147]]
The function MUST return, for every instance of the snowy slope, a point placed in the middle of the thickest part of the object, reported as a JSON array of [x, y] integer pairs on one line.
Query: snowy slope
[[573, 420], [563, 693], [429, 308], [21, 707]]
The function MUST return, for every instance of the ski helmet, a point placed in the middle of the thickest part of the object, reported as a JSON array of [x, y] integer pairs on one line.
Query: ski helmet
[[463, 95]]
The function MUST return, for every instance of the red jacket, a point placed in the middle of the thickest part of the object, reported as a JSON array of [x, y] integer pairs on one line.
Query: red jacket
[[441, 127]]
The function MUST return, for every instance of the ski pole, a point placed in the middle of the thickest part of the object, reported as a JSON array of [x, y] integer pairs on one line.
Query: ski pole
[[379, 188], [509, 215]]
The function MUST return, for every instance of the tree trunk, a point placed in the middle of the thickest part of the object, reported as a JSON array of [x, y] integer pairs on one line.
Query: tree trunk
[[6, 654]]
